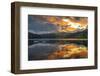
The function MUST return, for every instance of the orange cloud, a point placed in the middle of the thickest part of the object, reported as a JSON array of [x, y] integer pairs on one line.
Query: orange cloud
[[68, 24]]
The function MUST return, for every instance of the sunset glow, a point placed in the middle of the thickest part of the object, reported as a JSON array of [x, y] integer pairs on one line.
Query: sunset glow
[[68, 24], [69, 51], [57, 37]]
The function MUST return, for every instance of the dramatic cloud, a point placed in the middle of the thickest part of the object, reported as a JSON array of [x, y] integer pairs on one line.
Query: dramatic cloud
[[49, 24]]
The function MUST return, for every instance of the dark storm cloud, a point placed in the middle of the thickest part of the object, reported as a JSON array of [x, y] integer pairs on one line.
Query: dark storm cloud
[[38, 25]]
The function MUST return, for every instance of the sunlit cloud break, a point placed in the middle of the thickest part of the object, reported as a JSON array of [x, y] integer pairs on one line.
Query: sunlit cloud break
[[52, 24]]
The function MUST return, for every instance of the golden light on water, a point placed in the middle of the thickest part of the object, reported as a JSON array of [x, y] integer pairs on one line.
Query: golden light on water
[[69, 51]]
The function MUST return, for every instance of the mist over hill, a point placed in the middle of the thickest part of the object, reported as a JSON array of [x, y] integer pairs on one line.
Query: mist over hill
[[82, 34]]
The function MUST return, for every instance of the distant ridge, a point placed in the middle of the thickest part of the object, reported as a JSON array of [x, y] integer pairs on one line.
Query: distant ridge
[[82, 34]]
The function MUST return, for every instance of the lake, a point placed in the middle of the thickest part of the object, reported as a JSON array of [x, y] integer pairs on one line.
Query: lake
[[44, 49]]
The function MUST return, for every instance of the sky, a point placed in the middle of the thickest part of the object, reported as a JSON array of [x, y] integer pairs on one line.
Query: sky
[[41, 24]]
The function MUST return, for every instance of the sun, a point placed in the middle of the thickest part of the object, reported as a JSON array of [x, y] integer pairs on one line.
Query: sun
[[65, 20]]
